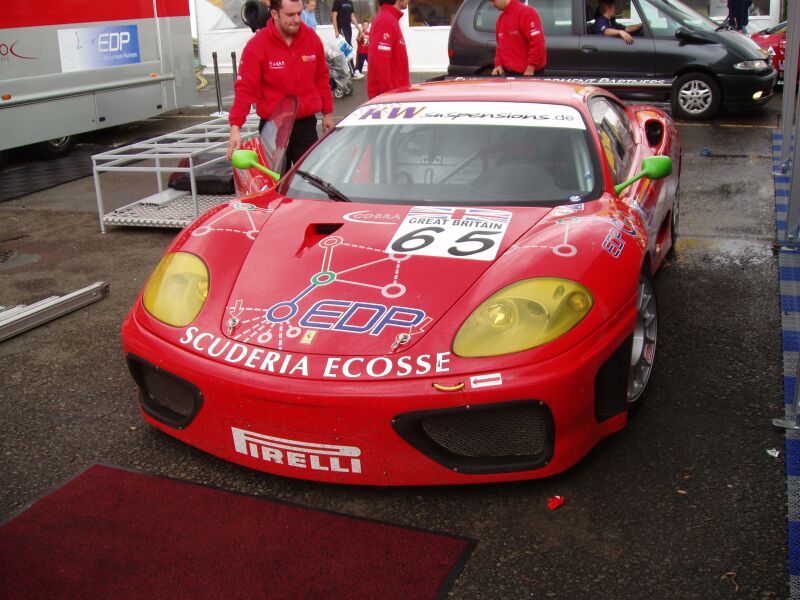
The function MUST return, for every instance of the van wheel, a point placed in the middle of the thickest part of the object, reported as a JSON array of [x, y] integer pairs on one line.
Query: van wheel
[[695, 96], [56, 147]]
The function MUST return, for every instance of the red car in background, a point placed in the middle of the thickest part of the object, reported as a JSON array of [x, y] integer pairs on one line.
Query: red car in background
[[773, 40]]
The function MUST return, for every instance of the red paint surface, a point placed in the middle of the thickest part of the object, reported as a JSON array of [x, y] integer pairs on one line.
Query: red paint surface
[[26, 14]]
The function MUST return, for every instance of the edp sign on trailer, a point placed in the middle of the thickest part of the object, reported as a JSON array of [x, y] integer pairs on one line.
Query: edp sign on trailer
[[74, 66]]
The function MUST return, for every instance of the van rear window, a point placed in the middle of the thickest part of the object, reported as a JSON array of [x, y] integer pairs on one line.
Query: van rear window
[[556, 16]]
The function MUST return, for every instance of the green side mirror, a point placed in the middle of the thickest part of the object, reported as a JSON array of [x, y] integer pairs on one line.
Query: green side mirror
[[248, 159], [653, 167]]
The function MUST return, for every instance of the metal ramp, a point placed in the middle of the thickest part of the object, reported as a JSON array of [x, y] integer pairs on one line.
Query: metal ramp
[[16, 319], [190, 151]]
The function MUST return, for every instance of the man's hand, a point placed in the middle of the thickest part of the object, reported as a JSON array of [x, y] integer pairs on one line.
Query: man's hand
[[529, 70], [498, 70], [234, 141], [626, 36], [327, 122]]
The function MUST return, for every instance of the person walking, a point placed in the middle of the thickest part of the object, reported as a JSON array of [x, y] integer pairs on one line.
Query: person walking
[[343, 18], [386, 54], [284, 58], [737, 14], [363, 46], [309, 13], [520, 40]]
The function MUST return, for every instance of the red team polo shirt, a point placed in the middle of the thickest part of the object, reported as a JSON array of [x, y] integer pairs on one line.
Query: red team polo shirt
[[520, 39], [270, 70], [387, 56]]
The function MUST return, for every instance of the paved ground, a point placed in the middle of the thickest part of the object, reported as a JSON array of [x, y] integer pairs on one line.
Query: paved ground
[[685, 503]]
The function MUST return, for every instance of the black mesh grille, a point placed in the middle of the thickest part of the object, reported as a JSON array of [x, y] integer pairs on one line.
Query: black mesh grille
[[165, 396], [493, 438], [168, 392], [516, 431]]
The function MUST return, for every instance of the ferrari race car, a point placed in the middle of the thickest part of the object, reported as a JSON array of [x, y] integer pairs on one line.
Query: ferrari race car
[[452, 286], [773, 40]]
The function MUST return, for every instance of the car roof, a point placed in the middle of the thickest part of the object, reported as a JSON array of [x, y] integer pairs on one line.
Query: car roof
[[492, 90]]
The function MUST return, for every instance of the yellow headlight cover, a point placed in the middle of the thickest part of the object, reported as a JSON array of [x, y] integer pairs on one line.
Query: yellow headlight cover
[[177, 289], [523, 315]]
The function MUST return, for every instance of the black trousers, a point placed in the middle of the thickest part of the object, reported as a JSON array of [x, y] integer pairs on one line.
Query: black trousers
[[303, 136]]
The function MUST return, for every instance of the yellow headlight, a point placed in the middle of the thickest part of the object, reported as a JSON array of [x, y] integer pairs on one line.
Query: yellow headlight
[[523, 315], [177, 289]]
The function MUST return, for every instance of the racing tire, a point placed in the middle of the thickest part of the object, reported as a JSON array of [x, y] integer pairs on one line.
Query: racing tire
[[695, 96], [56, 147], [338, 93], [674, 227], [645, 336]]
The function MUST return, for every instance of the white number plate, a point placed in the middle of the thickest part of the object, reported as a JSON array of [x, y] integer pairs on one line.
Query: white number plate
[[473, 233]]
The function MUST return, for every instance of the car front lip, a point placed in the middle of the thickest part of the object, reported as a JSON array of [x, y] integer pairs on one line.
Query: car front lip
[[359, 414], [738, 89]]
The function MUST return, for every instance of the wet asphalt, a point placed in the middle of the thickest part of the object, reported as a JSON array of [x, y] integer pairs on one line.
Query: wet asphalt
[[684, 503]]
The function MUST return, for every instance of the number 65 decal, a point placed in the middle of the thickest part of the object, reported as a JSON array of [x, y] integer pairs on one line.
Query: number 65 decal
[[474, 242]]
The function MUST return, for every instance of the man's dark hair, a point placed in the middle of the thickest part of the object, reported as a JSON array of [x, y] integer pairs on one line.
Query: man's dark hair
[[603, 4], [275, 5], [382, 2]]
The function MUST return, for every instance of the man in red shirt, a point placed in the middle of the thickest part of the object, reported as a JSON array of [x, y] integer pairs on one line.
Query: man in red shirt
[[520, 40], [284, 58], [387, 56]]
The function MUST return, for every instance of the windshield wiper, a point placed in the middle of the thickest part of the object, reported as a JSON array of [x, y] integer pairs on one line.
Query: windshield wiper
[[321, 184]]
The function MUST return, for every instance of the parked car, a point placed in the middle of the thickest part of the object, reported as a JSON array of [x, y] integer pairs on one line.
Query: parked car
[[773, 40], [678, 56], [455, 285]]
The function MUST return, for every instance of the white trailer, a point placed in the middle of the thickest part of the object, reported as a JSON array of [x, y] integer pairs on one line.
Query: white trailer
[[78, 65]]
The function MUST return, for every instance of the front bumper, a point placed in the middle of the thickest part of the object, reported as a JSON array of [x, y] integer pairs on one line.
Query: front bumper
[[738, 90], [393, 432]]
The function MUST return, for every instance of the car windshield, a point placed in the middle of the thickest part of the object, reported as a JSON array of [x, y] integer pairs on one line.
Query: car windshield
[[779, 28], [458, 153], [660, 12]]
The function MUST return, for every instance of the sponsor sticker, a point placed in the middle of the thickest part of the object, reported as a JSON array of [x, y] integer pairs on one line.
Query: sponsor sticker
[[469, 233], [373, 218], [296, 453], [301, 365], [516, 114], [98, 47], [488, 380]]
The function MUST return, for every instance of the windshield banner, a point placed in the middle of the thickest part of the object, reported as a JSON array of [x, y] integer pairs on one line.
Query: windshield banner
[[516, 114]]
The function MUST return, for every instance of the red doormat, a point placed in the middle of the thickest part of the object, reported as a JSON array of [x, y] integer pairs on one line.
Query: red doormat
[[110, 533]]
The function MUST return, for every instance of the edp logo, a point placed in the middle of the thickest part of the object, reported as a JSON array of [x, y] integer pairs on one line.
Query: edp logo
[[113, 42]]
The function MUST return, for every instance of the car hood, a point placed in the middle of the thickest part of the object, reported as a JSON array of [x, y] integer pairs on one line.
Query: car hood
[[738, 42], [356, 279]]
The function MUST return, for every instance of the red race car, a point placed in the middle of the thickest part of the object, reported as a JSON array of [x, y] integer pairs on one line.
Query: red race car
[[773, 40], [453, 286]]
